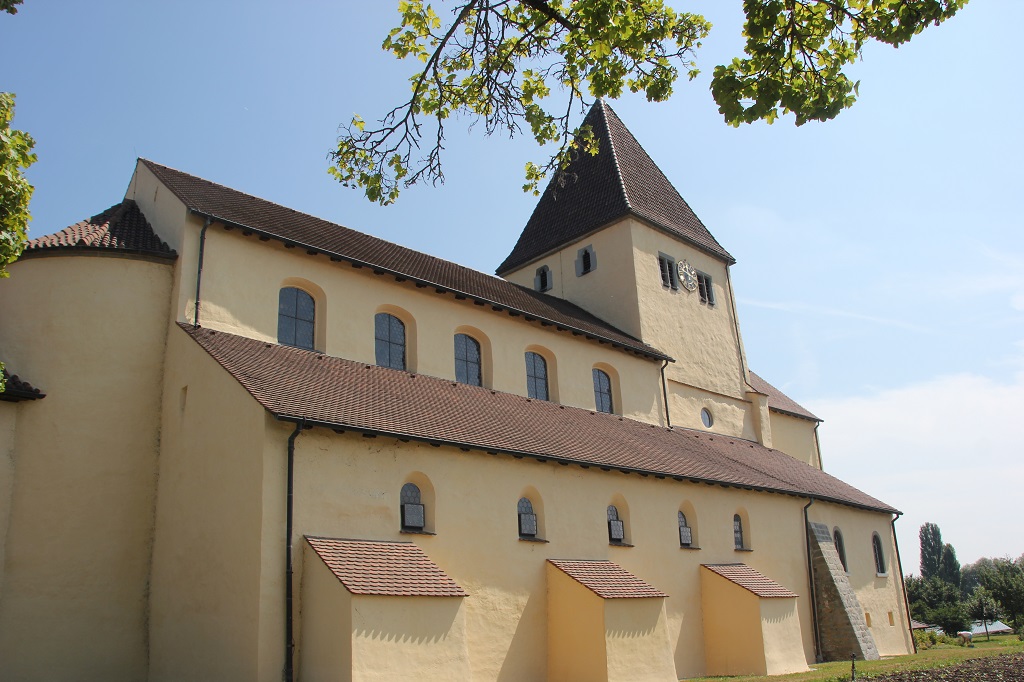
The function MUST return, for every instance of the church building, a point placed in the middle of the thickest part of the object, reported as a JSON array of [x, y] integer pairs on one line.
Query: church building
[[239, 442]]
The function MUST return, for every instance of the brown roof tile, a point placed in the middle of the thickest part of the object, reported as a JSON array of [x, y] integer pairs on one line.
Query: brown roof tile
[[122, 227], [779, 401], [606, 579], [393, 569], [620, 180], [236, 208], [295, 384], [16, 389], [751, 580]]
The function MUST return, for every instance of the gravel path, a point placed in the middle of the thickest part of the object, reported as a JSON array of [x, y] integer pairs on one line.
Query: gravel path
[[1005, 668]]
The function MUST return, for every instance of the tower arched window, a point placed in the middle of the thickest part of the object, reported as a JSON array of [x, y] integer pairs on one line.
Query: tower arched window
[[536, 376], [296, 318], [837, 539], [389, 341], [616, 529], [603, 391], [467, 360], [685, 532], [876, 546], [413, 512], [737, 531], [527, 518]]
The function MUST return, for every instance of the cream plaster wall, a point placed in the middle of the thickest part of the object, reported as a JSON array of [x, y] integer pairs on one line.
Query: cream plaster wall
[[637, 640], [607, 291], [878, 595], [576, 641], [205, 605], [408, 638], [796, 437], [8, 423], [734, 641], [780, 629], [77, 550], [732, 417], [242, 277], [348, 485], [327, 623]]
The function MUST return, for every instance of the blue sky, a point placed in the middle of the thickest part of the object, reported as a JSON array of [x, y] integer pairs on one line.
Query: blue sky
[[880, 274]]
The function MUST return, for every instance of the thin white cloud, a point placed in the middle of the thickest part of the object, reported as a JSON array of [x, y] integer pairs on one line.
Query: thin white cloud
[[804, 308], [946, 451]]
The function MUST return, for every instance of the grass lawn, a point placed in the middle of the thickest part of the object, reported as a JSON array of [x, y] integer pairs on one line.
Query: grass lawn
[[938, 656]]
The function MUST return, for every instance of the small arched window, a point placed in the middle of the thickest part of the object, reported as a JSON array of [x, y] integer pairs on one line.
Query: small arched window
[[296, 316], [542, 280], [413, 516], [467, 360], [737, 531], [389, 341], [876, 545], [837, 539], [616, 529], [685, 532], [603, 391], [527, 518], [536, 376]]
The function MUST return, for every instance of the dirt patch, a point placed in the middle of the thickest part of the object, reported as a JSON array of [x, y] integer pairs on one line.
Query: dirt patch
[[1005, 668]]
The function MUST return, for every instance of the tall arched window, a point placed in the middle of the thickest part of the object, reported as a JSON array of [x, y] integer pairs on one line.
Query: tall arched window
[[616, 529], [467, 360], [527, 519], [296, 313], [685, 532], [389, 341], [737, 531], [603, 391], [876, 545], [837, 539], [536, 376], [413, 516]]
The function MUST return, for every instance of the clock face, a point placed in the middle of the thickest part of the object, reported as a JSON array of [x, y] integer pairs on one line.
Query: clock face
[[687, 275]]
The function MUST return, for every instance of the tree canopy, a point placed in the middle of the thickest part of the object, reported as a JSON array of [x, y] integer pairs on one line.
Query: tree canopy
[[502, 61], [931, 549]]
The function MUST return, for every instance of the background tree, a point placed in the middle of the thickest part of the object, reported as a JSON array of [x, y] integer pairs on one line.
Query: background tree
[[15, 191], [949, 567], [936, 602], [931, 549], [498, 61], [981, 605]]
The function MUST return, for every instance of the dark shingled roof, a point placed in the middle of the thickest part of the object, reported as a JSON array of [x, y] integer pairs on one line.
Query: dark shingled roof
[[751, 580], [620, 180], [779, 401], [16, 389], [320, 236], [122, 227], [295, 384], [391, 569], [606, 579]]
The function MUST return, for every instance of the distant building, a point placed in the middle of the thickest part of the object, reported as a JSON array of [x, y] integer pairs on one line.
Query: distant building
[[270, 445]]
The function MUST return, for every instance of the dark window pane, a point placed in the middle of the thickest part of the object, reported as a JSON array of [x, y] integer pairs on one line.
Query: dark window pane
[[413, 516], [616, 531], [536, 376], [737, 530], [410, 494], [296, 313], [389, 341], [525, 506], [613, 513], [528, 525], [467, 360], [602, 391], [303, 334]]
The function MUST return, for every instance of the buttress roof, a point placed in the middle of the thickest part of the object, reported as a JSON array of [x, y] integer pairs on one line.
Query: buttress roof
[[620, 180]]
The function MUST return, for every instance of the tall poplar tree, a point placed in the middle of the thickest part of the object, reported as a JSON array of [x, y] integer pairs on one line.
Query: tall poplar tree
[[931, 549]]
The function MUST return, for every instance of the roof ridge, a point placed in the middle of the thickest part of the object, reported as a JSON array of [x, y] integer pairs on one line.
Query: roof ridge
[[605, 108]]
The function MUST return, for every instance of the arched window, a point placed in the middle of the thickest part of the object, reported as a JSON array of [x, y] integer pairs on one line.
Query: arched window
[[467, 360], [296, 314], [536, 376], [603, 391], [876, 545], [616, 530], [685, 532], [837, 538], [737, 531], [389, 336], [527, 519], [413, 516], [542, 280]]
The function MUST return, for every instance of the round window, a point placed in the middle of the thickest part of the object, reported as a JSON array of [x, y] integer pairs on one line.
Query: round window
[[705, 416]]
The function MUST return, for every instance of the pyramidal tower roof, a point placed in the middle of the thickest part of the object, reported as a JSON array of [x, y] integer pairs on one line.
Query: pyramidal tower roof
[[620, 180]]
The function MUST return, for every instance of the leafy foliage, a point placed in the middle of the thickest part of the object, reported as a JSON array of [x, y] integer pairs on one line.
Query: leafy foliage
[[949, 567], [1004, 579], [10, 6], [937, 602], [931, 549], [498, 61]]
